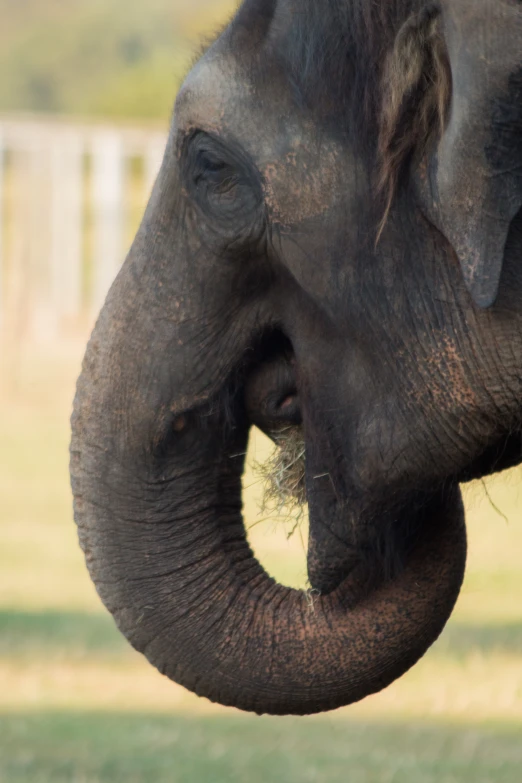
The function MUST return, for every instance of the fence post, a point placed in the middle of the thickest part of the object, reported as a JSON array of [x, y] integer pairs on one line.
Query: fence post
[[57, 258], [67, 221], [107, 195], [37, 273], [2, 255], [153, 157]]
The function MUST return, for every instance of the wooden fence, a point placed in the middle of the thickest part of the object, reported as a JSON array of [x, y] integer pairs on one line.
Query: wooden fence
[[71, 197]]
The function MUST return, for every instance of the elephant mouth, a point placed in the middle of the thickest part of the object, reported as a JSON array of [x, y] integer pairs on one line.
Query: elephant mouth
[[343, 538], [271, 385], [273, 404]]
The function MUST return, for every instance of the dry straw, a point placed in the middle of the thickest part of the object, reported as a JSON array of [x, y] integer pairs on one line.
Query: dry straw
[[283, 475]]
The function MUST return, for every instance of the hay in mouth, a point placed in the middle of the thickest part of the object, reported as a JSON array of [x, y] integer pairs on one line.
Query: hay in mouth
[[283, 475]]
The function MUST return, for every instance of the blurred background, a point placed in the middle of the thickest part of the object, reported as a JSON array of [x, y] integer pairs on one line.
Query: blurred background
[[86, 89]]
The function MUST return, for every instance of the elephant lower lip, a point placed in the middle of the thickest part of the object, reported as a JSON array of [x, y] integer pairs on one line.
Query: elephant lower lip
[[367, 552], [329, 563], [327, 579]]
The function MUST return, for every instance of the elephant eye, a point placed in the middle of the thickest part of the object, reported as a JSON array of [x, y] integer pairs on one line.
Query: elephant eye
[[215, 174], [222, 181]]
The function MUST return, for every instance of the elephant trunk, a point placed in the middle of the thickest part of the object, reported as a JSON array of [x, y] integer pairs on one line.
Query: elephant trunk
[[157, 491]]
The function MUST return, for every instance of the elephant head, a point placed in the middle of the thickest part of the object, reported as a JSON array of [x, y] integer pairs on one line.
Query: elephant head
[[340, 192]]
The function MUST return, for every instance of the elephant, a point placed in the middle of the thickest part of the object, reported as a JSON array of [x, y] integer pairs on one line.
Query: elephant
[[333, 243]]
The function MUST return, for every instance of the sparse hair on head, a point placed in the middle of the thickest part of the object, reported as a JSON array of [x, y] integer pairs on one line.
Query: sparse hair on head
[[416, 89]]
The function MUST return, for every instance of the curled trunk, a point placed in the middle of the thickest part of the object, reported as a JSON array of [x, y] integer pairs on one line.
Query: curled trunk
[[158, 506]]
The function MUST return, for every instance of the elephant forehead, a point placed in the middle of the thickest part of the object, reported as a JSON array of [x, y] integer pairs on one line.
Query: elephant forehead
[[209, 92], [219, 96]]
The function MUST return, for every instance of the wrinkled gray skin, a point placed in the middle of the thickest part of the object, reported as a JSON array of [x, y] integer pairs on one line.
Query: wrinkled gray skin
[[255, 292]]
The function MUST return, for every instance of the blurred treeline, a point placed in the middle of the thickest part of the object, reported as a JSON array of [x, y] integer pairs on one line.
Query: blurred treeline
[[109, 58]]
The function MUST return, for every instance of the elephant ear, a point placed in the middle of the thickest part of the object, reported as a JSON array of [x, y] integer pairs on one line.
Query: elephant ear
[[456, 73], [478, 167]]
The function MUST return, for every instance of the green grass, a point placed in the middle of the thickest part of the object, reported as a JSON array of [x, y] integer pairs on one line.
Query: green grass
[[105, 747], [77, 704]]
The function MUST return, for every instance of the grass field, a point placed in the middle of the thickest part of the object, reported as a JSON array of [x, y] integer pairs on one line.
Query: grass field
[[77, 705]]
